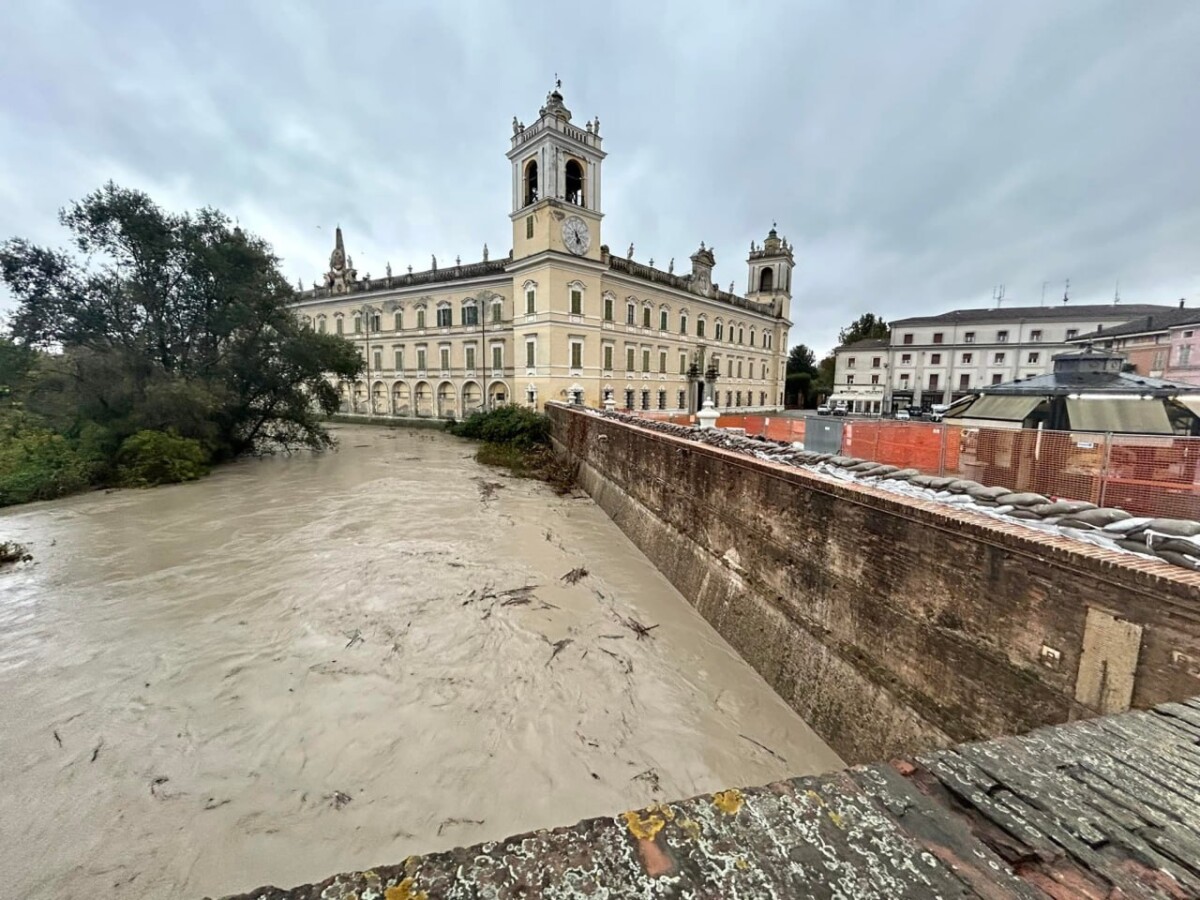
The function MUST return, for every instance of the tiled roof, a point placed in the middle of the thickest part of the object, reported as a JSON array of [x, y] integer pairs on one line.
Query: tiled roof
[[1159, 321], [866, 344], [1061, 312]]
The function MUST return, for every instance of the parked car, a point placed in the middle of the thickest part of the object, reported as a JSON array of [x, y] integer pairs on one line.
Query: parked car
[[902, 415], [915, 412], [935, 416], [823, 410], [840, 410]]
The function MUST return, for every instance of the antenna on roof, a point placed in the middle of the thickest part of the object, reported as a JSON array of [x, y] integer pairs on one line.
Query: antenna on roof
[[1067, 291], [1000, 297], [1117, 293]]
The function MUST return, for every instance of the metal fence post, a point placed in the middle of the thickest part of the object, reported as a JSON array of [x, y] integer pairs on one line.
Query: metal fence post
[[1104, 460], [942, 451]]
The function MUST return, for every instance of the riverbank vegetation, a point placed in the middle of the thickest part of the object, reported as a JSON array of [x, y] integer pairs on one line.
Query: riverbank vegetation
[[517, 439], [159, 345]]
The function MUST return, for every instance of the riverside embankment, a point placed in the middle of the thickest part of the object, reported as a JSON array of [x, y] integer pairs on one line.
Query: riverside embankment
[[310, 664]]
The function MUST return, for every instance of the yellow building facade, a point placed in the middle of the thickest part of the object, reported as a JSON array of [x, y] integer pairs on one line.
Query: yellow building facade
[[561, 317]]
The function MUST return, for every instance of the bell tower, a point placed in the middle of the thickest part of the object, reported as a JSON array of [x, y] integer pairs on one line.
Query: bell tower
[[556, 183], [771, 273]]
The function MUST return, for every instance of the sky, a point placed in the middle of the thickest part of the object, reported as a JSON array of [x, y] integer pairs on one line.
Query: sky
[[917, 155]]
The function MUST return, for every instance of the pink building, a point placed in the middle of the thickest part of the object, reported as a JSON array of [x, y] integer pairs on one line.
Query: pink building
[[1165, 344], [1183, 362]]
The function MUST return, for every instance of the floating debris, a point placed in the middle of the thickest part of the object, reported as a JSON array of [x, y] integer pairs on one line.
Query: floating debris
[[638, 628], [576, 575], [747, 737], [338, 799], [559, 646], [456, 821]]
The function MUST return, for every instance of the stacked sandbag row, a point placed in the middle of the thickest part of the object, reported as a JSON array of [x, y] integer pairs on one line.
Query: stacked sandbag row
[[1176, 541]]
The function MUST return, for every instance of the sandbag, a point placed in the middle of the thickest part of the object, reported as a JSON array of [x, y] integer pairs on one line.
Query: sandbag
[[1128, 526], [1062, 507], [988, 493], [939, 484], [903, 474], [1020, 513], [1135, 546], [962, 485], [1179, 559], [1174, 544], [1072, 522], [1098, 518], [1175, 527], [1026, 498], [922, 480], [864, 467]]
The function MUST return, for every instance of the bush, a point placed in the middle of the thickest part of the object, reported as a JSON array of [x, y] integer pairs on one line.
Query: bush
[[37, 464], [159, 457], [512, 425]]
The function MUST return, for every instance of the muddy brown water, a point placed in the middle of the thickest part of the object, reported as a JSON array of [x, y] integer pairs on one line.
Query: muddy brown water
[[306, 665]]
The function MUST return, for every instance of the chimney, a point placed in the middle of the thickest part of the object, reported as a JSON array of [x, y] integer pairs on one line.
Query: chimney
[[1181, 299]]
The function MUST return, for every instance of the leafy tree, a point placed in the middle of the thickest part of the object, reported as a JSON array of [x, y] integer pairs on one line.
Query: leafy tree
[[866, 326], [170, 321], [801, 359], [15, 363], [825, 372], [799, 389]]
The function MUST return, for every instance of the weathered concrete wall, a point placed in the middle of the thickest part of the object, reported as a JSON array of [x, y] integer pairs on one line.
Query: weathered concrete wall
[[891, 625]]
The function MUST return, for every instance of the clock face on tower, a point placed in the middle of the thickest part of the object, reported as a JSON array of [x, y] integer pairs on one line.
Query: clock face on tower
[[575, 235]]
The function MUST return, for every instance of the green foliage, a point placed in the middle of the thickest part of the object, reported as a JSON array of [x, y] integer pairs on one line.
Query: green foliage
[[800, 390], [513, 425], [169, 321], [801, 359], [15, 363], [37, 464], [159, 457], [825, 373], [868, 325]]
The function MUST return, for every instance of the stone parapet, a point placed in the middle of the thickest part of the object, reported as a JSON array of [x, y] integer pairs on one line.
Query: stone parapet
[[1103, 808]]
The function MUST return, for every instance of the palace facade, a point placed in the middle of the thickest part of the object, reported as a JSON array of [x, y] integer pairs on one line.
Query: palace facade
[[561, 317]]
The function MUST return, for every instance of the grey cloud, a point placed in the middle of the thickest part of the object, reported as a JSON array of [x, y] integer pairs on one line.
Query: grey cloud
[[915, 156]]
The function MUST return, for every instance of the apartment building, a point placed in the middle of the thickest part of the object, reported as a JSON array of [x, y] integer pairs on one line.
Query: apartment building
[[1162, 345], [937, 359]]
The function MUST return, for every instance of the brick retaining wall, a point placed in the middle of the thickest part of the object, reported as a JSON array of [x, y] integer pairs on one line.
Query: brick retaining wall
[[890, 625]]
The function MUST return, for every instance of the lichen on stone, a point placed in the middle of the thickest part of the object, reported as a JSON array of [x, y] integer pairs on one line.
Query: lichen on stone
[[644, 829], [728, 802]]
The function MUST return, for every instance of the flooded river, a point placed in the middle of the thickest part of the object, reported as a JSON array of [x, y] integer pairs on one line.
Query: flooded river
[[305, 665]]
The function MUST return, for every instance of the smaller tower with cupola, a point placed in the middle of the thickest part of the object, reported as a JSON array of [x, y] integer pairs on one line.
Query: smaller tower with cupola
[[556, 183], [770, 277]]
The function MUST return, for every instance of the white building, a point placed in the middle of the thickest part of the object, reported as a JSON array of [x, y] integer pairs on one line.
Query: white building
[[937, 359]]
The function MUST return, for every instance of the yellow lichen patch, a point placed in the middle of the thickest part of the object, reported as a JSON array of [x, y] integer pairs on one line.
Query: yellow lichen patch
[[741, 863], [690, 828], [665, 811], [814, 797], [644, 829], [836, 819], [728, 802], [405, 891]]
